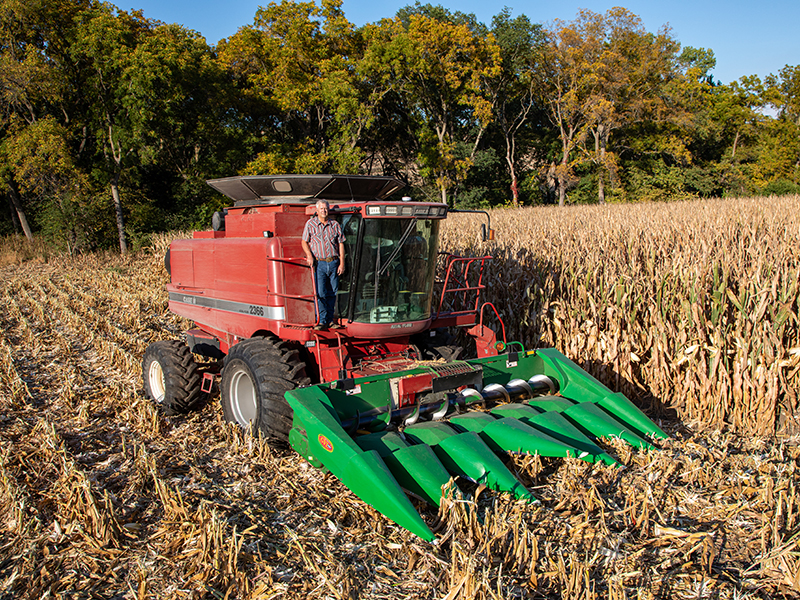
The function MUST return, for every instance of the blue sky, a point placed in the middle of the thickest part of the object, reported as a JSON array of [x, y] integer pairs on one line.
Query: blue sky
[[748, 38]]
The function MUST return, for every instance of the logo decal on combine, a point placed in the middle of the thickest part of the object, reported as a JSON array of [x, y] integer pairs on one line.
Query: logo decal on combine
[[325, 442]]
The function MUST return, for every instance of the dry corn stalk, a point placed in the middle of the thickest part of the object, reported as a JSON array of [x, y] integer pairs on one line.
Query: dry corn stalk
[[102, 496], [691, 306]]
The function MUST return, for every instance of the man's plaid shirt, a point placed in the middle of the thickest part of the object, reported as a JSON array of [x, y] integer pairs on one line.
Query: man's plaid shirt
[[323, 239]]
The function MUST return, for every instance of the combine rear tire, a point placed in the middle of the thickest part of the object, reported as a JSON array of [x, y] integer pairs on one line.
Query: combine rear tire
[[256, 375], [171, 378]]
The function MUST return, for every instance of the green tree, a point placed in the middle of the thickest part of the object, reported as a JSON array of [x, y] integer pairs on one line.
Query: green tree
[[150, 97], [45, 169], [787, 86], [441, 67], [632, 67], [735, 121], [565, 82], [516, 101], [32, 79], [105, 46], [785, 92], [178, 104], [300, 61]]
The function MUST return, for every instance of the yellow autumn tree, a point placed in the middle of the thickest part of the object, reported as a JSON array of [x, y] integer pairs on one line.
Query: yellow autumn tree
[[603, 72]]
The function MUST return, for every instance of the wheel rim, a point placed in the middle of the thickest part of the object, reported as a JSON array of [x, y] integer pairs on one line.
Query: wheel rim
[[155, 377], [244, 404]]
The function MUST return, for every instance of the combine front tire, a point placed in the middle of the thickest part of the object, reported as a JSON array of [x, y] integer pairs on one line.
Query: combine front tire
[[256, 375], [171, 378]]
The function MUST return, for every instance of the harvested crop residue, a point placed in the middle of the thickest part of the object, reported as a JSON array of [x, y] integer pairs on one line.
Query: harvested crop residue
[[103, 497]]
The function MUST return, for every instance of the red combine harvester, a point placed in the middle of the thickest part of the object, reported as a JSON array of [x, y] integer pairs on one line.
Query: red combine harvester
[[365, 401], [247, 280]]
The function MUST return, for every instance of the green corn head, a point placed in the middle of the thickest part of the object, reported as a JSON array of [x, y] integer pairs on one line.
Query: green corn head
[[414, 430]]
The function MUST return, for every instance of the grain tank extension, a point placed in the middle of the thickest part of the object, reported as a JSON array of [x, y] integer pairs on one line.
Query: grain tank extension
[[383, 402]]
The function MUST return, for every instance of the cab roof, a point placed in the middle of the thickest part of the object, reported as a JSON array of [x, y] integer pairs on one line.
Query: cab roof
[[254, 190]]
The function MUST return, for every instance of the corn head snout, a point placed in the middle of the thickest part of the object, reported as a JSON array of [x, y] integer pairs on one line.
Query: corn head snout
[[411, 431]]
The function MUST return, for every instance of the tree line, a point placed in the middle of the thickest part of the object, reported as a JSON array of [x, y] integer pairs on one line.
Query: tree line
[[111, 122]]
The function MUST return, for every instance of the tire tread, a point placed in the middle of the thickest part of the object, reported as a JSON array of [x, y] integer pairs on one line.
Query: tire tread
[[182, 378], [277, 368]]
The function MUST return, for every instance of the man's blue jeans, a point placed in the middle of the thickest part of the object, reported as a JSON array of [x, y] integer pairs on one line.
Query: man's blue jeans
[[327, 287]]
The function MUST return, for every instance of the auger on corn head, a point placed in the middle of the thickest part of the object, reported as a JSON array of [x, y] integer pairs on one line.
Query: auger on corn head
[[381, 400], [412, 431]]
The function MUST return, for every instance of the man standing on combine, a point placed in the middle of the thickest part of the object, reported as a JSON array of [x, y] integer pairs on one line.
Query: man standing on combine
[[323, 243]]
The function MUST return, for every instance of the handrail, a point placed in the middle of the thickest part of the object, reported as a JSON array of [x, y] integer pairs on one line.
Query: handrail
[[466, 263], [301, 262], [304, 298], [496, 314], [295, 261]]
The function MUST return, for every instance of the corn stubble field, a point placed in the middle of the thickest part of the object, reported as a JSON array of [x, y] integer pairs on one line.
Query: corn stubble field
[[690, 309]]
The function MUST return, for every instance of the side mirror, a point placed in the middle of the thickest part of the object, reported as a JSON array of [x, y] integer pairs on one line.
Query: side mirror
[[487, 233]]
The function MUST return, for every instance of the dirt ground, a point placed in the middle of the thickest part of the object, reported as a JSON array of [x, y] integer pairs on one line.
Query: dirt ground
[[103, 497]]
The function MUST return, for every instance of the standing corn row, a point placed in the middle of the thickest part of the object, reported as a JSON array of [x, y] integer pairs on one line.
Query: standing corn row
[[691, 306]]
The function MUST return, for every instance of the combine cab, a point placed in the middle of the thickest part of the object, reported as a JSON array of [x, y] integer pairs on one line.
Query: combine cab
[[382, 401]]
